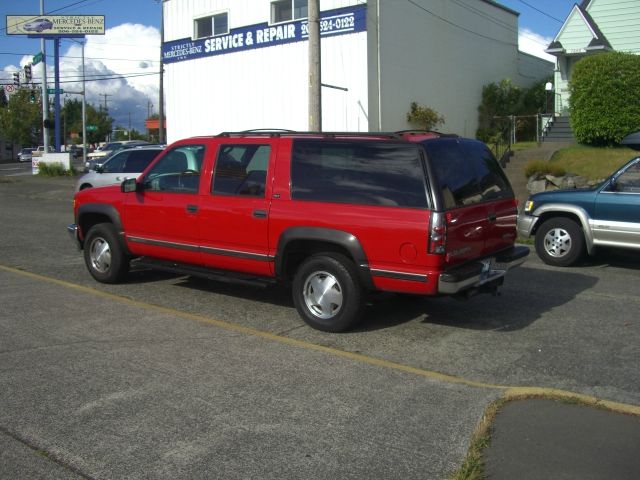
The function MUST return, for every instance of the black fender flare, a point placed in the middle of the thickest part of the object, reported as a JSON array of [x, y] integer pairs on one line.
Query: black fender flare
[[106, 210], [340, 238]]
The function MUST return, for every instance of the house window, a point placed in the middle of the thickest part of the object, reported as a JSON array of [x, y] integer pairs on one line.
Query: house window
[[287, 10], [212, 25]]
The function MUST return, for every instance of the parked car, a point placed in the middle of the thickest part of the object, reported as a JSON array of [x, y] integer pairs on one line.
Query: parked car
[[38, 25], [332, 216], [26, 154], [126, 163], [568, 223], [40, 150], [102, 153]]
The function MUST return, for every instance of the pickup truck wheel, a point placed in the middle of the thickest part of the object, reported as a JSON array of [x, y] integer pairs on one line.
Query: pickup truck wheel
[[104, 255], [327, 292], [560, 242]]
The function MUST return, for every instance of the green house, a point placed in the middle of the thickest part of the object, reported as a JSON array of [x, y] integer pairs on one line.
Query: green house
[[593, 26]]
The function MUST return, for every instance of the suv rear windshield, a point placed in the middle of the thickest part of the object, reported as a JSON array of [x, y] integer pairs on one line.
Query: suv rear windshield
[[358, 172], [466, 171]]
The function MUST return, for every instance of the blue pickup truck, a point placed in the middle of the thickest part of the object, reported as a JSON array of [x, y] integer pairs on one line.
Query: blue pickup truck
[[568, 223]]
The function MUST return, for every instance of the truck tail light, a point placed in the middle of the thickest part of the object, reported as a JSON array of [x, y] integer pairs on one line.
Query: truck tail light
[[438, 233]]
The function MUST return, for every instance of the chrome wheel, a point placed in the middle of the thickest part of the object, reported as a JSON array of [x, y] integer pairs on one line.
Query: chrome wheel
[[323, 294], [557, 242], [100, 255]]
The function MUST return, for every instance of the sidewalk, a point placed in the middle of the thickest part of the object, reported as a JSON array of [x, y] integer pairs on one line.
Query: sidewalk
[[540, 439]]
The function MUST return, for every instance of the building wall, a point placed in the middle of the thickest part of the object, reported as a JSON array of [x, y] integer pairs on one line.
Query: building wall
[[618, 20], [441, 53], [425, 53], [260, 88]]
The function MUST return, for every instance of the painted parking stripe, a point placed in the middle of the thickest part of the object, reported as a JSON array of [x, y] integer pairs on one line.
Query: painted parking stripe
[[509, 392]]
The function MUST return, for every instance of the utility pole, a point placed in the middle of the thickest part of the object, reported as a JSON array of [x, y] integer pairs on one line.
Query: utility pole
[[105, 95], [315, 94], [161, 93], [45, 96]]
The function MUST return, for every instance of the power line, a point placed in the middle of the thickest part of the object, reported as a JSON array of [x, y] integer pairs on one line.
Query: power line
[[113, 77], [49, 13], [460, 27], [87, 58], [542, 12]]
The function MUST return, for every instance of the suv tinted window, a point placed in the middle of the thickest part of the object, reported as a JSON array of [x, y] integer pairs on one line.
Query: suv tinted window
[[366, 173], [466, 171], [138, 160], [177, 171], [241, 170]]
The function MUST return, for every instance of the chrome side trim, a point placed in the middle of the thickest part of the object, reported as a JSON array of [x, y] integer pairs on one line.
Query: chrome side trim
[[198, 248], [238, 254], [413, 277]]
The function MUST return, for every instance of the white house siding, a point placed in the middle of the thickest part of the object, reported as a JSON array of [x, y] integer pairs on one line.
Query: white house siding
[[619, 20], [429, 54]]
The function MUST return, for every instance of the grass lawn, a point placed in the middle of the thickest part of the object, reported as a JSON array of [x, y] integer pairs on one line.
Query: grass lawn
[[594, 163]]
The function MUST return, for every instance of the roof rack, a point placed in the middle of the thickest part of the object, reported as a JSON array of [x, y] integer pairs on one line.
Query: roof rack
[[423, 132], [277, 132]]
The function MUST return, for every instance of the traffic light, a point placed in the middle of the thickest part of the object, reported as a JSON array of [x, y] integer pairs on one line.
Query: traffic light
[[16, 79], [32, 96], [27, 73]]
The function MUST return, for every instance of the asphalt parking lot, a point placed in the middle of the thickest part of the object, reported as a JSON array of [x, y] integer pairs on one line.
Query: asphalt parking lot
[[167, 376]]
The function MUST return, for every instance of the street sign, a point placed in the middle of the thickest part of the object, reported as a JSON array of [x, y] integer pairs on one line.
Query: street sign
[[37, 58], [52, 91], [92, 128]]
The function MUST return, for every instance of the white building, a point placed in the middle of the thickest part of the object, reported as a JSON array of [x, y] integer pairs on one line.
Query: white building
[[242, 64]]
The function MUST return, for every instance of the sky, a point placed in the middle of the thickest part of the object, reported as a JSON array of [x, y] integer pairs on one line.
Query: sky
[[127, 56]]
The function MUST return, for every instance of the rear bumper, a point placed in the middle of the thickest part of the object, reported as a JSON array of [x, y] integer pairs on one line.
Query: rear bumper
[[475, 274]]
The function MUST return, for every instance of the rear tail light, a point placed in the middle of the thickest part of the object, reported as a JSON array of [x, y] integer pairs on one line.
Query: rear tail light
[[438, 233]]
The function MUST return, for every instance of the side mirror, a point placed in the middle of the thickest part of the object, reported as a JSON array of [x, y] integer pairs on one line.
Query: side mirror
[[129, 185], [99, 168]]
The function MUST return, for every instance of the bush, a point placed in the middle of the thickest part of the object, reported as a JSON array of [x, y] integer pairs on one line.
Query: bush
[[54, 170], [541, 168], [605, 89], [425, 117]]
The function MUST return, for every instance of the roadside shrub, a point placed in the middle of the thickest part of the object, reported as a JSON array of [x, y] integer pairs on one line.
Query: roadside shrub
[[425, 117], [54, 170], [605, 89], [540, 167]]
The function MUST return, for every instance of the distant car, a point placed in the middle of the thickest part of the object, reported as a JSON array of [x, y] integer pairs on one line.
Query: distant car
[[99, 156], [568, 223], [38, 25], [26, 154], [126, 163]]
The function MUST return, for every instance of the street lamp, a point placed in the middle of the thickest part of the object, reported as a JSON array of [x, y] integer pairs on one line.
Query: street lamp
[[548, 88]]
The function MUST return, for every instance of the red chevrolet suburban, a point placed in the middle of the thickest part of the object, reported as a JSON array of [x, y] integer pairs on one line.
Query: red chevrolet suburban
[[333, 216]]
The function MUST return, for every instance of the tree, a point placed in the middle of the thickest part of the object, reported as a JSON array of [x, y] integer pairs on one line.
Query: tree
[[605, 89], [21, 119], [425, 117]]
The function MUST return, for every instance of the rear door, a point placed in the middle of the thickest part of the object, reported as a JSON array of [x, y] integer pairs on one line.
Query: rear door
[[467, 217], [234, 211]]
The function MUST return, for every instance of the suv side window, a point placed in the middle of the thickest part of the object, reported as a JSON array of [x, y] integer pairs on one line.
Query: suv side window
[[629, 181], [358, 172], [466, 171], [241, 170], [177, 171], [138, 160], [115, 164]]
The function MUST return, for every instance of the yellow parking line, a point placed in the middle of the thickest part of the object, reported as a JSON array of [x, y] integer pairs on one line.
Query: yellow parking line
[[509, 392]]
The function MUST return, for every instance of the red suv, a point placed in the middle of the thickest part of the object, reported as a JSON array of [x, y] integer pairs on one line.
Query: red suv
[[334, 216]]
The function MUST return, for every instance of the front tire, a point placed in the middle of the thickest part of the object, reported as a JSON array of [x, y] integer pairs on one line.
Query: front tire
[[560, 242], [104, 254], [327, 292]]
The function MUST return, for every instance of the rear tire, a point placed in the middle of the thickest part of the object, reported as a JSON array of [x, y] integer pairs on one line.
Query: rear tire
[[104, 254], [327, 292], [560, 242]]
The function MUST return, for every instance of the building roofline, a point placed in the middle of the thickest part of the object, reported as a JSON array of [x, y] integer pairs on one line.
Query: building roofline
[[502, 7]]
